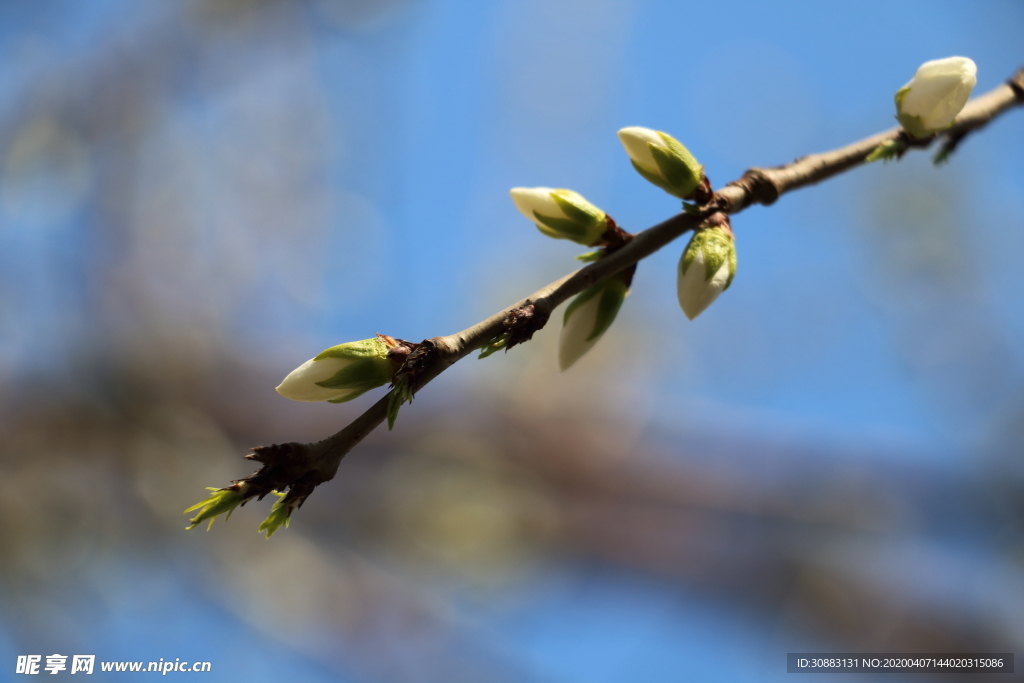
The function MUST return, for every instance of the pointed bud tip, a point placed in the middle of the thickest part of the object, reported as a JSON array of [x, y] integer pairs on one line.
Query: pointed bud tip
[[560, 213], [648, 134]]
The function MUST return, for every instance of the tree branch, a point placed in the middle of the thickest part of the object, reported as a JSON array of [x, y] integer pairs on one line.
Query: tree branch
[[765, 185], [302, 467]]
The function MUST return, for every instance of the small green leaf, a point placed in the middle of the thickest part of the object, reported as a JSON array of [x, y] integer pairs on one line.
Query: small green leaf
[[280, 515], [887, 151], [613, 293], [591, 256], [400, 394], [691, 208], [220, 502], [493, 347], [394, 405]]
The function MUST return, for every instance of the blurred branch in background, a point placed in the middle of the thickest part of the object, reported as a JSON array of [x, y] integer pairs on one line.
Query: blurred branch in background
[[857, 553]]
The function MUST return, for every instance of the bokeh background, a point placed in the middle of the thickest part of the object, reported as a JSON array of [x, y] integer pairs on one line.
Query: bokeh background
[[197, 196]]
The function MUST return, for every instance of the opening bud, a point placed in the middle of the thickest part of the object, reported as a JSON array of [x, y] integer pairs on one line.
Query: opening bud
[[588, 317], [342, 372], [706, 268], [562, 214], [662, 160], [938, 91], [280, 515], [221, 502]]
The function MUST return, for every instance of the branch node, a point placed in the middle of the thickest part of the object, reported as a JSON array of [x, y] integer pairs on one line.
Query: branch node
[[758, 188], [613, 239], [419, 359], [1016, 84], [703, 194], [398, 350], [296, 467], [521, 323]]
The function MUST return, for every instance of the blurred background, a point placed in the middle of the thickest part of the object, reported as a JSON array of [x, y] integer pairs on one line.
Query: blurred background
[[197, 196]]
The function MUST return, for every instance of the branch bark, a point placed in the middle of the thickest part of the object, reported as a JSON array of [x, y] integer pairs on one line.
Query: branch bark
[[757, 186]]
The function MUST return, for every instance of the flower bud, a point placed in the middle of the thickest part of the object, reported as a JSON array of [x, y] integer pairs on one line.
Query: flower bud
[[935, 95], [588, 317], [561, 214], [340, 373], [706, 269], [662, 160]]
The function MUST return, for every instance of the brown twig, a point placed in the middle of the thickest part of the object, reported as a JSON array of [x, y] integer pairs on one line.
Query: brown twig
[[319, 461]]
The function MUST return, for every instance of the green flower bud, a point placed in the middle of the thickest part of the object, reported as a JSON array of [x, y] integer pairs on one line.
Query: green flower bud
[[706, 269], [662, 160], [341, 373], [588, 317], [561, 214]]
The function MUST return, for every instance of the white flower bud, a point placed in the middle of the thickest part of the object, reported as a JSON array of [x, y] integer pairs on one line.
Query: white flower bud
[[588, 317], [706, 269], [561, 214], [935, 95], [340, 373], [662, 160]]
